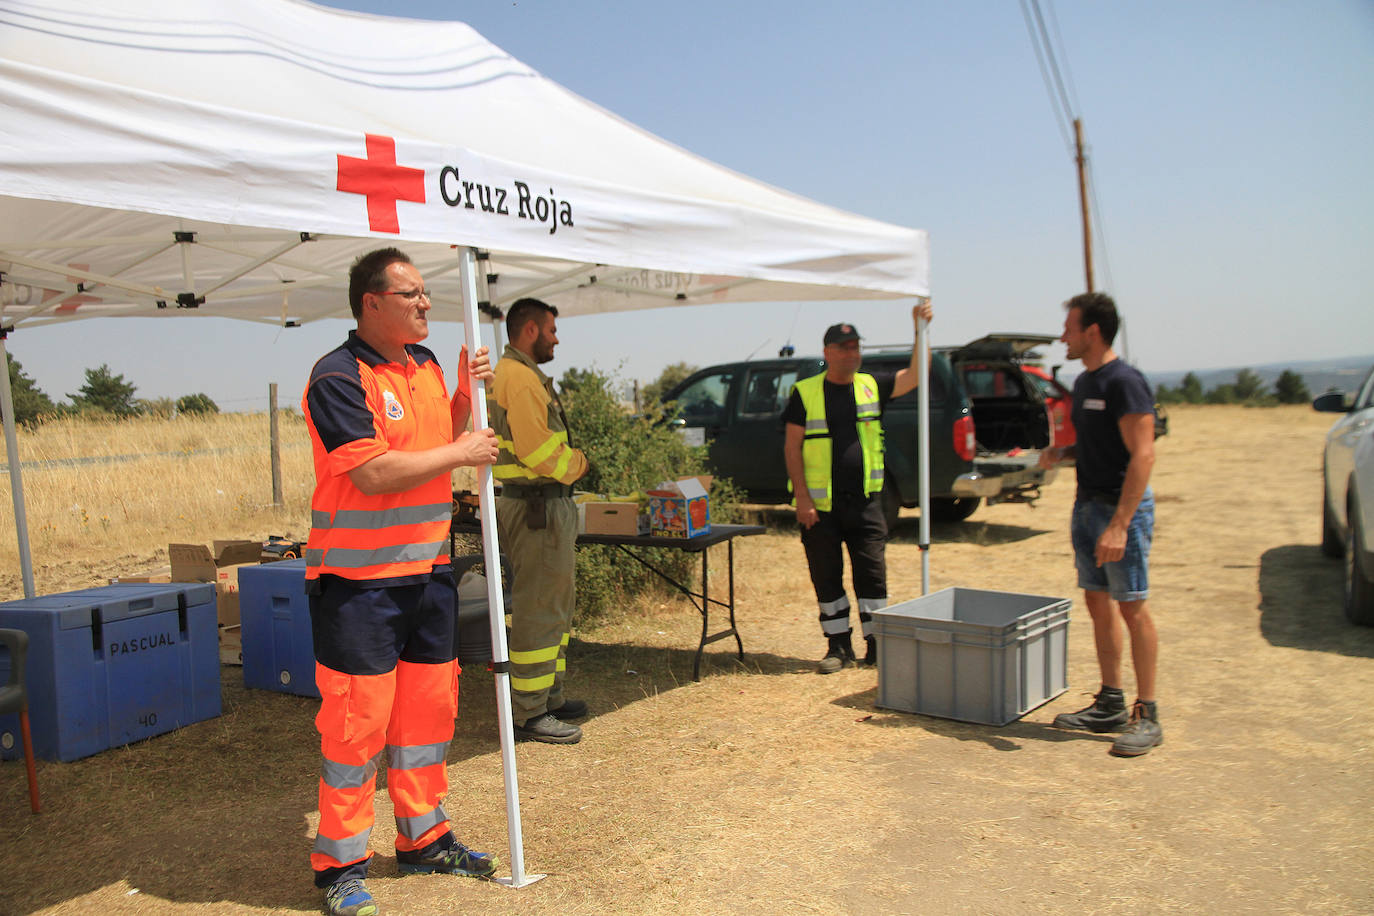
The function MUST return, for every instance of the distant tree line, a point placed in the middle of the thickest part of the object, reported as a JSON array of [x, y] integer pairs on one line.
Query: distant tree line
[[104, 394], [1248, 389]]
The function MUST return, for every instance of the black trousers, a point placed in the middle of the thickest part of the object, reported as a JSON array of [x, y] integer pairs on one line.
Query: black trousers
[[856, 523]]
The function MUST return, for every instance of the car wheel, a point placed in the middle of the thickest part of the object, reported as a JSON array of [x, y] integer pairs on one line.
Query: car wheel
[[1359, 589], [1333, 544], [953, 509]]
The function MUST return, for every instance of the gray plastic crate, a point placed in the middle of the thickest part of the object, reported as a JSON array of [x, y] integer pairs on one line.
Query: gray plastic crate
[[973, 655]]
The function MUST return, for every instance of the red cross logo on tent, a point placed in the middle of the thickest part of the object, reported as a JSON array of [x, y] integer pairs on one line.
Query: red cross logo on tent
[[382, 182]]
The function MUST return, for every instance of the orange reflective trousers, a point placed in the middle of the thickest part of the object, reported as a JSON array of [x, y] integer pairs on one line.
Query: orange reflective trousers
[[409, 713]]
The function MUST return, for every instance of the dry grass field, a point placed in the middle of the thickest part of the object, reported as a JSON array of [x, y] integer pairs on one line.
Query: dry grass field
[[767, 788]]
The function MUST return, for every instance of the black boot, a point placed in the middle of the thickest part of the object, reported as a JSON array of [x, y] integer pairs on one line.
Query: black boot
[[839, 655], [1142, 734], [1107, 713], [871, 653]]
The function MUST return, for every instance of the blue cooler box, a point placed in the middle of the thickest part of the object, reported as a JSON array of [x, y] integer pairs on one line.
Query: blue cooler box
[[111, 665], [274, 615]]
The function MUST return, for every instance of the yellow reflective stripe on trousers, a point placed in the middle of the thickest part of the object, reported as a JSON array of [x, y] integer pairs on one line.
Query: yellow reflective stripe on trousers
[[531, 684], [534, 656]]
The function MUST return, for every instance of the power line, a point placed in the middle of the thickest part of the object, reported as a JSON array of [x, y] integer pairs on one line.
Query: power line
[[1063, 115], [1063, 100], [1049, 67]]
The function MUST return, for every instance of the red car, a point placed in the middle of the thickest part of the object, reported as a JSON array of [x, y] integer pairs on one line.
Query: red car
[[1059, 400]]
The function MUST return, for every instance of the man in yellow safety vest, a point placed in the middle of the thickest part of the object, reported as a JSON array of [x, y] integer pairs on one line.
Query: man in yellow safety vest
[[834, 454]]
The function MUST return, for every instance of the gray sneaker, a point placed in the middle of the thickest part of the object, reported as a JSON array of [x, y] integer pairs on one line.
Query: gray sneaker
[[1107, 713], [547, 728], [1142, 734]]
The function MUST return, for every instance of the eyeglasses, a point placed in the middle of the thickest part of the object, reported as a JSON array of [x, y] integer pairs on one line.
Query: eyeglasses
[[409, 295]]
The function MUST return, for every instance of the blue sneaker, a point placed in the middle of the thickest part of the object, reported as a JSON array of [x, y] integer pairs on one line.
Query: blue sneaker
[[456, 860], [349, 898]]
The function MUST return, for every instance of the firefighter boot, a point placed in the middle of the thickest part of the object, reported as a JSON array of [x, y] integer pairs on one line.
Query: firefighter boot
[[840, 655]]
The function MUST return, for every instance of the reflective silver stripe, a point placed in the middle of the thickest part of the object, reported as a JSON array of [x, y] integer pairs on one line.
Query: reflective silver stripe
[[835, 626], [356, 558], [867, 406], [868, 626], [413, 828], [839, 605], [819, 425], [349, 849], [818, 492], [869, 605], [373, 519], [347, 776], [875, 474], [314, 557], [415, 756]]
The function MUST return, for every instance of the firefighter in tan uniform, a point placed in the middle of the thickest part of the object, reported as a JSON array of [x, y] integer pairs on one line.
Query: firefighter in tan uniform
[[537, 520]]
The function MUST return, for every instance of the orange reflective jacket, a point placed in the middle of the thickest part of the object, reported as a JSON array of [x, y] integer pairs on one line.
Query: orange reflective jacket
[[359, 406]]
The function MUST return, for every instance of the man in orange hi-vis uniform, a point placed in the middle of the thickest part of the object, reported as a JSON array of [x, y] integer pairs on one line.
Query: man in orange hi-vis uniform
[[380, 580]]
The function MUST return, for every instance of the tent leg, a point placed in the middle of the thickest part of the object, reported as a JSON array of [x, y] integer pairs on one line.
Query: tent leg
[[496, 601], [21, 522], [923, 460]]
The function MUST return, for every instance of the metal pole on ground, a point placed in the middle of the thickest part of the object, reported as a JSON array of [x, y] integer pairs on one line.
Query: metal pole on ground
[[21, 522], [496, 601]]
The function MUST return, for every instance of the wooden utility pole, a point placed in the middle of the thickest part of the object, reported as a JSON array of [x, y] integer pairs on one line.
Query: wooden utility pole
[[1083, 203]]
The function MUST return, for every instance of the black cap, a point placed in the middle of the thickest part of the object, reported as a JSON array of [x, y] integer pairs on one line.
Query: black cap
[[840, 333]]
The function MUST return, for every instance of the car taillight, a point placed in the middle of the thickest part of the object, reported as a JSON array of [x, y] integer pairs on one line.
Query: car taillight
[[963, 437]]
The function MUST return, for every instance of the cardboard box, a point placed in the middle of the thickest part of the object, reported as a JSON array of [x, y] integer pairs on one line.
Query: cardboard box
[[198, 563], [679, 510], [610, 518], [231, 645]]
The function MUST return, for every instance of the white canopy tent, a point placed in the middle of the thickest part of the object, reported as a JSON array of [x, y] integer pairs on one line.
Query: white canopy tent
[[230, 158]]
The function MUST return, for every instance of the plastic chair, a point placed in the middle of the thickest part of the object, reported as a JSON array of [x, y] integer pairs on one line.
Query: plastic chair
[[14, 698]]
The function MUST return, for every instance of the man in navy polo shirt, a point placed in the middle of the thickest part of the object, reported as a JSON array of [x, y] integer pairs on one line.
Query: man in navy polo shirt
[[1113, 521]]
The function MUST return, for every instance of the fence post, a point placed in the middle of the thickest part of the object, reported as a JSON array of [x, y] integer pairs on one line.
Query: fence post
[[276, 443]]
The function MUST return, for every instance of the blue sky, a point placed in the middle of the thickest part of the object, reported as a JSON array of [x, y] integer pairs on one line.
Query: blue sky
[[1230, 143]]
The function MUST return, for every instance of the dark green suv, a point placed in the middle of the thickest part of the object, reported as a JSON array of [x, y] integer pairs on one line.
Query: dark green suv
[[983, 445]]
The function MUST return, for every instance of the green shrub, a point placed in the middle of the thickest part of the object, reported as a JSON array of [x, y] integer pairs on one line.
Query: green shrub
[[196, 404], [630, 454]]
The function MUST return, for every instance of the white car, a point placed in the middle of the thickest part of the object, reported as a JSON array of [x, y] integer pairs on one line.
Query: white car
[[1348, 504]]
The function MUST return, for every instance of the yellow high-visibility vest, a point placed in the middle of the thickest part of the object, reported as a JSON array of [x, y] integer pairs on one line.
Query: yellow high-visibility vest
[[816, 443]]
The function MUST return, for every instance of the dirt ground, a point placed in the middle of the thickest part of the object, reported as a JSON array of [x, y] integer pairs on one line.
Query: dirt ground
[[768, 788]]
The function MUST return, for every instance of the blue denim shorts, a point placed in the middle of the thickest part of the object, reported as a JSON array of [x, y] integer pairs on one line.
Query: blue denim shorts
[[1127, 579]]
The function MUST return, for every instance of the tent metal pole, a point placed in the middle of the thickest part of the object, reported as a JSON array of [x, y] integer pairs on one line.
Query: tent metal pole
[[496, 602], [21, 522], [923, 460]]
